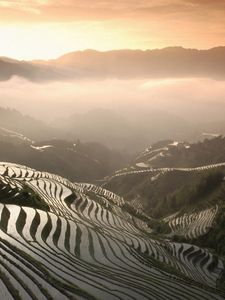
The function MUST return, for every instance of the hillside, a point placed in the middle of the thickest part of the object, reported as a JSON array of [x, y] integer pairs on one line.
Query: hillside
[[13, 120], [111, 128], [63, 240], [121, 130], [166, 167], [181, 185], [167, 155], [74, 160], [183, 154]]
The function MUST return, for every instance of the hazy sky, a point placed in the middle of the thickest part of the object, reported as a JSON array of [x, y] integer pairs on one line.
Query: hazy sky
[[31, 29]]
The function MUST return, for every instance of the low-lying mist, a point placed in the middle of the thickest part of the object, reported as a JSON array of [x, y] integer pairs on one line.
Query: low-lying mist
[[193, 99], [122, 113]]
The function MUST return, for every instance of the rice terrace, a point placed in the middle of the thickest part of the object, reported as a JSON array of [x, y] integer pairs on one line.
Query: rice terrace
[[79, 241]]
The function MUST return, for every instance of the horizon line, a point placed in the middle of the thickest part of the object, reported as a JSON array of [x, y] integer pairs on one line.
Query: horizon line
[[107, 51]]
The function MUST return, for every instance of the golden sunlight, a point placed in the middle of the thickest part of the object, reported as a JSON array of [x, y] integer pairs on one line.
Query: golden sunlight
[[50, 40]]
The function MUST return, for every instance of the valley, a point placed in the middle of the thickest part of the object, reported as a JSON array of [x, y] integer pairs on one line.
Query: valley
[[112, 150]]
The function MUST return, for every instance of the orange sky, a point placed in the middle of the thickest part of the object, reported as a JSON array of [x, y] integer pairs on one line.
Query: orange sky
[[31, 29]]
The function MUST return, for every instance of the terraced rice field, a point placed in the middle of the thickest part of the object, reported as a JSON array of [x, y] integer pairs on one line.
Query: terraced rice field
[[153, 172], [192, 225], [87, 247]]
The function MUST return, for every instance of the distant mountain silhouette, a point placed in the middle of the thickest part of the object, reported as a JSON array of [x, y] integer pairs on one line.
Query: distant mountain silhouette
[[173, 62]]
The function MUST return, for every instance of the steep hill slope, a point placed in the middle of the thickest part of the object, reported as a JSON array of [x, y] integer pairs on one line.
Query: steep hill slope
[[85, 245]]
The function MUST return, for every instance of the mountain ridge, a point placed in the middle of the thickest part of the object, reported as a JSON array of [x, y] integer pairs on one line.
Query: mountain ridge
[[121, 64]]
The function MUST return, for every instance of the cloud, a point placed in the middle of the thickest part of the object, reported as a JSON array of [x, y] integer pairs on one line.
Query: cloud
[[108, 25], [67, 11], [215, 4], [197, 99]]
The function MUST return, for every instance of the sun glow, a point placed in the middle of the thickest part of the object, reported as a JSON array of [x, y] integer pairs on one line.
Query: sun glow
[[45, 29], [50, 40]]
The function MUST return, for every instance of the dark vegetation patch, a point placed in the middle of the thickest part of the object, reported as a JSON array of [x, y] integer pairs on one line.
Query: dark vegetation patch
[[171, 192], [174, 191], [210, 151], [192, 196], [24, 197]]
